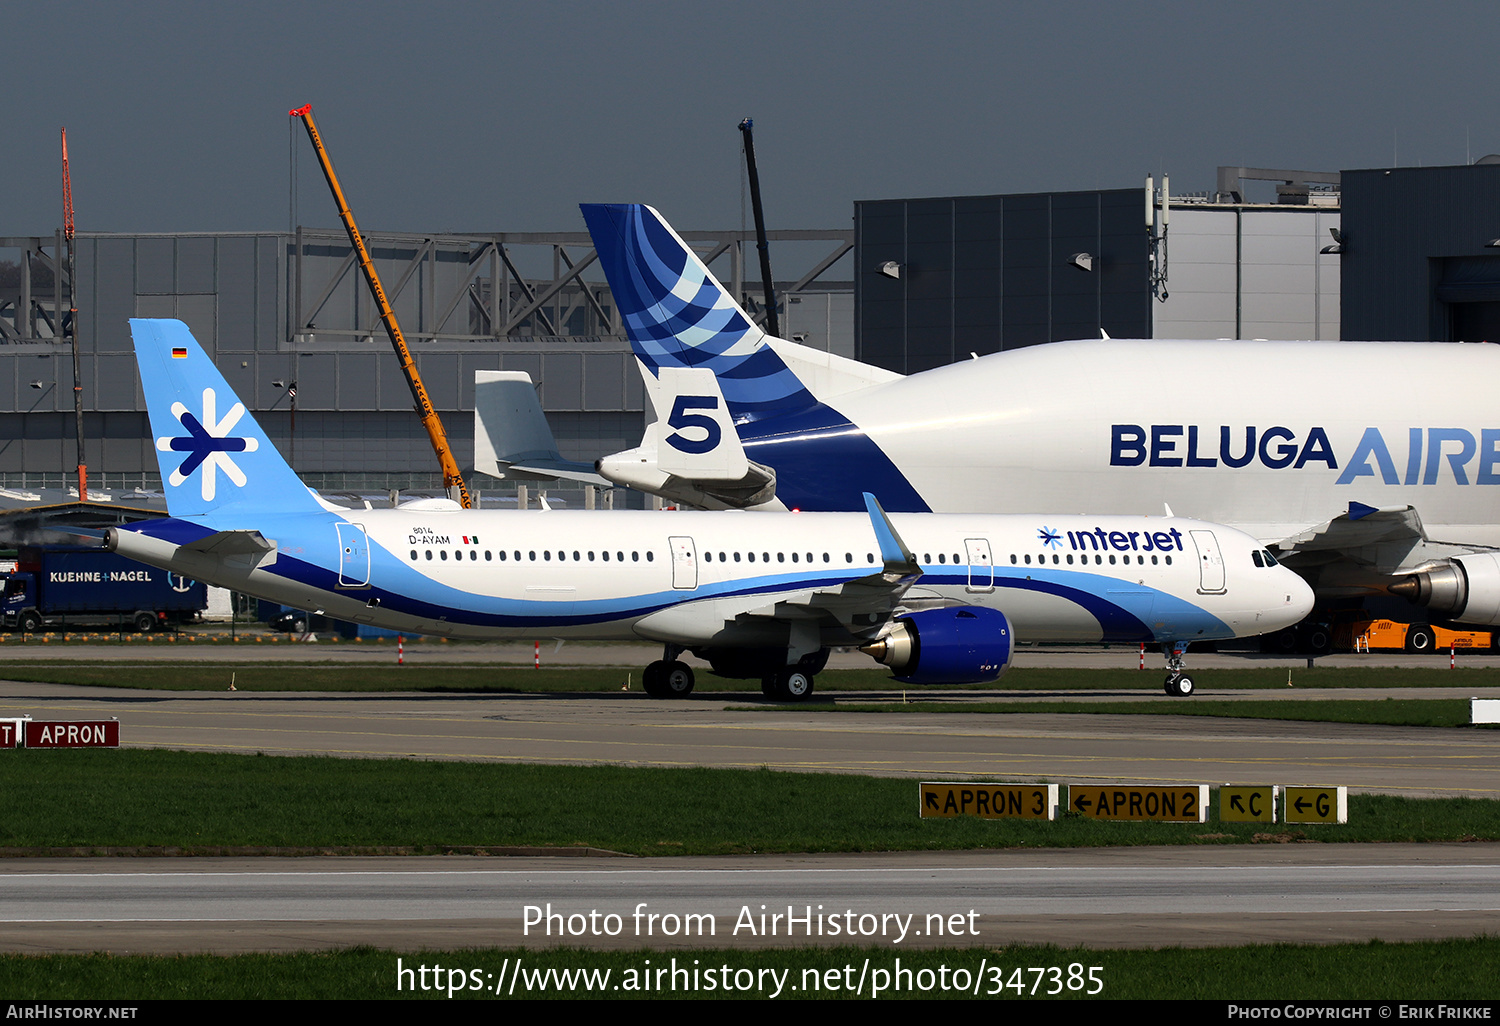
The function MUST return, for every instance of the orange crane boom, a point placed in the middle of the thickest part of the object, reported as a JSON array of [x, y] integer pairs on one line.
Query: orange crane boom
[[68, 234], [453, 481]]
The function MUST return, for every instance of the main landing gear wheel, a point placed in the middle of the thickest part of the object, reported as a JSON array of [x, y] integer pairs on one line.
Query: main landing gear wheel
[[793, 685], [1179, 685], [677, 681], [664, 679]]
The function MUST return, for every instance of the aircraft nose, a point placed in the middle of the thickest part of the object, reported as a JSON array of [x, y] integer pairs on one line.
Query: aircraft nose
[[1299, 596]]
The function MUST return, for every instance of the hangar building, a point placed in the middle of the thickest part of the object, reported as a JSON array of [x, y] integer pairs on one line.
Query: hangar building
[[1378, 254]]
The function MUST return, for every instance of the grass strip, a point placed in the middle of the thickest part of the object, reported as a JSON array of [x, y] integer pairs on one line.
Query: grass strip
[[89, 800], [481, 678], [1403, 712], [1375, 971]]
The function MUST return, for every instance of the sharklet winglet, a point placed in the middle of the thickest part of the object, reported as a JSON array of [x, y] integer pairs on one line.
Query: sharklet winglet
[[893, 550]]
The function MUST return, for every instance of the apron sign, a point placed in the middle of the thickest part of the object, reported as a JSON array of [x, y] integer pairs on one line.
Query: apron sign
[[73, 734], [988, 801], [1315, 805], [1247, 804], [1169, 804]]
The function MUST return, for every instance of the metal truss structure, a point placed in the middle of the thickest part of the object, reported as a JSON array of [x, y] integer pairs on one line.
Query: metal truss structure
[[458, 288], [485, 287], [34, 291]]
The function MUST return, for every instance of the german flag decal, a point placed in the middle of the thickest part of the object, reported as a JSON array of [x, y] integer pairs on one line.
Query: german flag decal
[[179, 352]]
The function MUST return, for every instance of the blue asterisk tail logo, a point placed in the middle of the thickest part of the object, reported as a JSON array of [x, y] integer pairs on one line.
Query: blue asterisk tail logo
[[208, 444], [1050, 537]]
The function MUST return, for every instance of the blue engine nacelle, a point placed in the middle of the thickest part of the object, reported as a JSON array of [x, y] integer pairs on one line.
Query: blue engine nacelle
[[952, 645]]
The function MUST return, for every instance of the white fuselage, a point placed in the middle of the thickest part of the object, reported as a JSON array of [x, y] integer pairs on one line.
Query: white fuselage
[[1269, 437], [697, 578]]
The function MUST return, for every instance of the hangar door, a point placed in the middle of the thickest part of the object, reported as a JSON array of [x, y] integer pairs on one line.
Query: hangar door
[[1470, 293]]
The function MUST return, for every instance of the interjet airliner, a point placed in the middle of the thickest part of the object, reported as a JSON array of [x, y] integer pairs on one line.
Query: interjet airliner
[[937, 598]]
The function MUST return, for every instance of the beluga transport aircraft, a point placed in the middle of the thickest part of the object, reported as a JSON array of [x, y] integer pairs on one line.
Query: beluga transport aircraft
[[1371, 468], [938, 598]]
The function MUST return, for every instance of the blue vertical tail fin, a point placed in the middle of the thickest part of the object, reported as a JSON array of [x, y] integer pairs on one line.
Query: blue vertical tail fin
[[213, 455], [678, 315]]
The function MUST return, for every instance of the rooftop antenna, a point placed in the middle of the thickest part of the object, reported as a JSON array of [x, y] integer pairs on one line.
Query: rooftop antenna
[[1158, 212]]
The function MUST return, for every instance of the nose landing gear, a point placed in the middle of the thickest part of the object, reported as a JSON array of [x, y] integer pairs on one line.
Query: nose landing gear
[[1178, 684]]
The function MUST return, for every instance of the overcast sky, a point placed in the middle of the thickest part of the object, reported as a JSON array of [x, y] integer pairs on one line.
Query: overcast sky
[[504, 116]]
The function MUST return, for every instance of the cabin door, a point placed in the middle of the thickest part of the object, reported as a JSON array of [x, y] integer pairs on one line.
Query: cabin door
[[684, 563], [1210, 562], [981, 566], [354, 556]]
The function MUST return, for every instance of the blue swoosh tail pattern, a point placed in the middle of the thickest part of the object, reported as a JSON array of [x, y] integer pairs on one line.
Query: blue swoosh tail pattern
[[678, 315]]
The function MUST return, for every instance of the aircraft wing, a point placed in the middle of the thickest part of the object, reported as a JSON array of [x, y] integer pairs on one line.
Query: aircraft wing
[[866, 604], [1368, 535], [1360, 526]]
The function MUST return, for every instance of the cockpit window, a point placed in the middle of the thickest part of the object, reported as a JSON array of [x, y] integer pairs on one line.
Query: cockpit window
[[1270, 559], [1255, 556]]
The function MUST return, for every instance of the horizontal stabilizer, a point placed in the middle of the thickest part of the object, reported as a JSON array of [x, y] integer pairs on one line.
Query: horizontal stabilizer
[[511, 436], [231, 543]]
